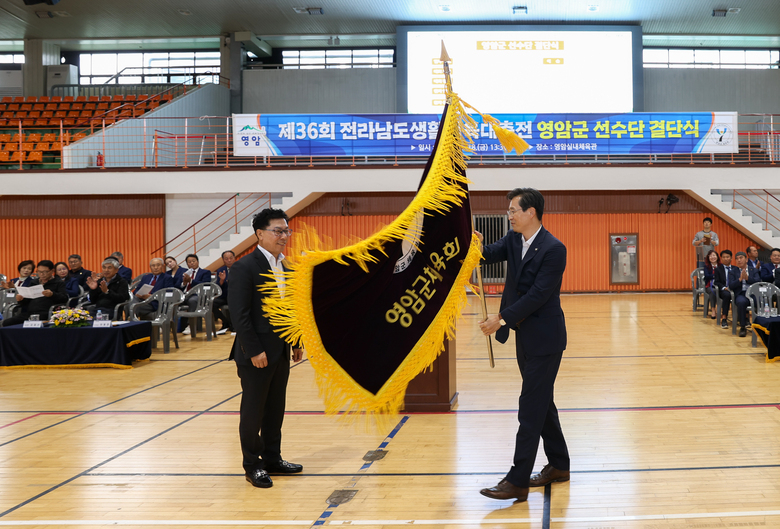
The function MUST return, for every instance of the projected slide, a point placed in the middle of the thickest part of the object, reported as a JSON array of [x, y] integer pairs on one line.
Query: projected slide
[[523, 71]]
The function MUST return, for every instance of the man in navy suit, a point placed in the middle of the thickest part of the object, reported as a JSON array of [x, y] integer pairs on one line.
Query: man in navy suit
[[769, 271], [158, 279], [262, 356], [740, 279], [223, 279], [124, 272], [531, 306], [722, 273], [191, 278], [77, 270], [752, 257]]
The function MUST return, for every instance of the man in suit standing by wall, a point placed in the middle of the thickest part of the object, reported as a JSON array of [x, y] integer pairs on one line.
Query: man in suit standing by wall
[[531, 306], [262, 356]]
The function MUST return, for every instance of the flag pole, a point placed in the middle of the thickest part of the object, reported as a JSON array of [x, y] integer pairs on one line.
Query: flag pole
[[445, 58]]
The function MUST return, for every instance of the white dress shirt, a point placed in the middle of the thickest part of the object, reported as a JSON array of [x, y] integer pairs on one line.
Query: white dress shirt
[[276, 267], [527, 244]]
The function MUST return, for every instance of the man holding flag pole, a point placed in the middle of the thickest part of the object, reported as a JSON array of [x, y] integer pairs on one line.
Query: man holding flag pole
[[531, 306]]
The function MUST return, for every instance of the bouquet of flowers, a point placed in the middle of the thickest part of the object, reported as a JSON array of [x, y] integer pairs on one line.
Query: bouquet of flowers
[[71, 318]]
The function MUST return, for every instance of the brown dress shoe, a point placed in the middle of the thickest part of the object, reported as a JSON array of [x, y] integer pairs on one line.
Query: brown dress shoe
[[506, 491], [548, 474]]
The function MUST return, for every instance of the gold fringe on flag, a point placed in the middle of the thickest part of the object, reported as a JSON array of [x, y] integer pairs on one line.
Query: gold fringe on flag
[[442, 190]]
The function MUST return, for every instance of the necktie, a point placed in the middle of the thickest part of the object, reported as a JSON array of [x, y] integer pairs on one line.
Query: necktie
[[192, 278], [154, 280]]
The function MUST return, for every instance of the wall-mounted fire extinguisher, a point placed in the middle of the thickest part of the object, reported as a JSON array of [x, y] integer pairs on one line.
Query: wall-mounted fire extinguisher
[[100, 160]]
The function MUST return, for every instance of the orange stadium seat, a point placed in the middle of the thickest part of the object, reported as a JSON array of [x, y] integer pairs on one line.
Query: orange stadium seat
[[81, 98], [43, 99], [63, 106], [60, 114], [68, 122], [35, 156], [13, 107], [28, 122], [94, 99], [42, 147], [26, 107], [51, 106], [18, 137], [119, 97], [41, 123], [34, 114], [90, 106], [18, 156], [7, 99], [69, 99], [8, 115], [49, 137], [18, 100], [48, 114], [11, 147], [27, 147], [21, 114], [79, 136], [2, 107], [4, 156], [85, 114], [105, 98], [77, 106], [39, 107], [32, 99], [5, 138], [56, 99], [56, 146], [34, 137], [130, 98], [73, 114], [102, 106]]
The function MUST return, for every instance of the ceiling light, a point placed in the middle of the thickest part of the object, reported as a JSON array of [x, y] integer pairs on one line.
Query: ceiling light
[[734, 10], [444, 8], [719, 12], [593, 8], [520, 10], [315, 11]]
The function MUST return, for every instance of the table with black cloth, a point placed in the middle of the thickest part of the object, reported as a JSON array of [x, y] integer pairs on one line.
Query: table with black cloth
[[117, 346], [768, 329]]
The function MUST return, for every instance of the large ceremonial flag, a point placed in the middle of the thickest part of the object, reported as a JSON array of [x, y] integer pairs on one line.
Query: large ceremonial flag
[[374, 314]]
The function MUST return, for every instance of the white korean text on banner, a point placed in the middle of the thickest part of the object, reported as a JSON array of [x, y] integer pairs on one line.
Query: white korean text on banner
[[415, 134]]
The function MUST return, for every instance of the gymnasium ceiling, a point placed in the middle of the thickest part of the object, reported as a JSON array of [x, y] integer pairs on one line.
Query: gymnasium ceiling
[[161, 24]]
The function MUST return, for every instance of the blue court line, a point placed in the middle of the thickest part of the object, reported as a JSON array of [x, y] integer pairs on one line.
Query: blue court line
[[120, 454], [547, 501], [321, 519], [108, 404], [431, 474]]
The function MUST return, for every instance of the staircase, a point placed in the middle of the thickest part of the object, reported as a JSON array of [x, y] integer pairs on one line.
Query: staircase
[[756, 212]]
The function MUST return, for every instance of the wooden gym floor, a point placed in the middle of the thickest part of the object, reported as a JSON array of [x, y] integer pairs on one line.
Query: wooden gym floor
[[671, 422]]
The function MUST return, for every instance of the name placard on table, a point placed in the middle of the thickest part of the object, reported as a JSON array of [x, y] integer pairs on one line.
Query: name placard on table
[[32, 325], [101, 323]]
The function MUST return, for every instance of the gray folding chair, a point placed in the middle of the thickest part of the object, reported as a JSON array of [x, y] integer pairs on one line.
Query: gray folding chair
[[206, 293], [754, 291], [168, 299], [697, 287], [7, 302]]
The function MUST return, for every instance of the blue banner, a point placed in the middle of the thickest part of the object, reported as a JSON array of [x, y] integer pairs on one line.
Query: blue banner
[[415, 134]]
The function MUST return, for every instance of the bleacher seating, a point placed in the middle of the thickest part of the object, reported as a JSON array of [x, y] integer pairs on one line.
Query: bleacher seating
[[43, 118]]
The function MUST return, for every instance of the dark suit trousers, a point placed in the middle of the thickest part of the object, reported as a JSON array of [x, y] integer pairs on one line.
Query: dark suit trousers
[[538, 417], [262, 413], [725, 295], [742, 304]]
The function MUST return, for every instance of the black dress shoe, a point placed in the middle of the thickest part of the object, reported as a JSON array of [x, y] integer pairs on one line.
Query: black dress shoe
[[548, 474], [259, 478], [742, 332], [724, 323], [283, 467], [506, 491]]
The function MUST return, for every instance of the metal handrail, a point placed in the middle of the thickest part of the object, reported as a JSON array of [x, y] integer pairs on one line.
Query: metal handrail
[[765, 210], [217, 225]]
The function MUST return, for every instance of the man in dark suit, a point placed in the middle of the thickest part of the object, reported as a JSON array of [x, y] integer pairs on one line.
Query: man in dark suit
[[107, 290], [722, 282], [124, 272], [752, 257], [77, 270], [769, 271], [158, 280], [191, 278], [54, 293], [262, 356], [531, 306], [741, 277], [223, 279]]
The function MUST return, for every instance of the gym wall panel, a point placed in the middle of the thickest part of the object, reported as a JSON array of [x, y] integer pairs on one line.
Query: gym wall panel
[[93, 239], [666, 256]]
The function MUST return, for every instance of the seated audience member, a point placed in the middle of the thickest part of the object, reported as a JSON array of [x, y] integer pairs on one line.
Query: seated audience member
[[77, 271], [175, 271], [107, 290], [223, 273], [53, 294], [768, 270], [124, 272], [711, 262], [158, 279], [722, 282], [741, 277], [192, 277], [25, 278], [752, 257], [71, 282]]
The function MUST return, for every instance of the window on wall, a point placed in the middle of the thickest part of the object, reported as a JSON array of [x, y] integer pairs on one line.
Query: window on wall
[[700, 58], [338, 58], [146, 68], [11, 58]]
